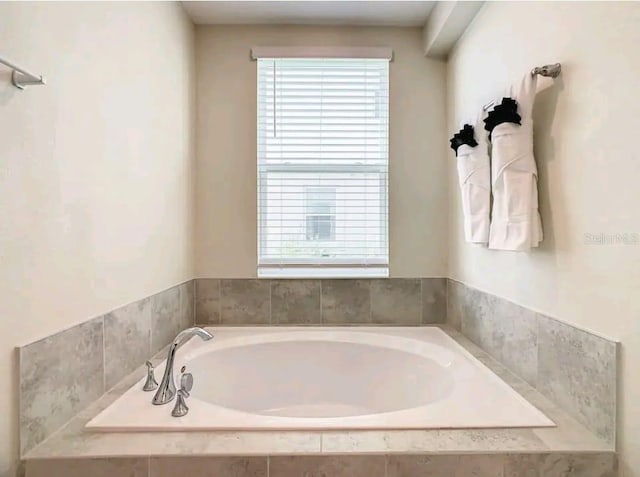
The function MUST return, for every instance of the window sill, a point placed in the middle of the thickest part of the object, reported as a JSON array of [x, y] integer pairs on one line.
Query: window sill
[[319, 272]]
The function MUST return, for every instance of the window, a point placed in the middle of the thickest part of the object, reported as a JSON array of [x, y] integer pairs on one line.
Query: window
[[322, 166], [320, 210]]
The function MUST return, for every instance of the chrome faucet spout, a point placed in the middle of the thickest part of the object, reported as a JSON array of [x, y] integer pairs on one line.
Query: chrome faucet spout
[[167, 389]]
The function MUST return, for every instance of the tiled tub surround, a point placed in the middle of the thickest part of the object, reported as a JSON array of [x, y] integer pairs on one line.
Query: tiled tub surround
[[64, 373], [512, 465], [54, 389], [388, 301], [572, 367], [566, 450]]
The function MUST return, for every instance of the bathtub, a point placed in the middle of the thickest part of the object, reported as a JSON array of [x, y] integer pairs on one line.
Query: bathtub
[[327, 378]]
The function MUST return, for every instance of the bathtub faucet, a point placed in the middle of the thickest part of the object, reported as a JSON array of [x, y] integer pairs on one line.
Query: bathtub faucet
[[167, 389]]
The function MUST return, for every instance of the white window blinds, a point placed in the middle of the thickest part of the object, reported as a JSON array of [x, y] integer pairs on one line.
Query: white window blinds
[[322, 163]]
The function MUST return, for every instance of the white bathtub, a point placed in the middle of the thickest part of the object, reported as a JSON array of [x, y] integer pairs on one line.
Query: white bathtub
[[328, 378]]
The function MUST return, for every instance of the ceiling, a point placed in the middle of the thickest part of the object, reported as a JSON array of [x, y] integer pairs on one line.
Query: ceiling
[[310, 12]]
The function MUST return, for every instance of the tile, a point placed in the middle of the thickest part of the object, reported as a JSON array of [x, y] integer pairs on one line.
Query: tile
[[72, 441], [455, 291], [577, 370], [422, 466], [569, 435], [560, 465], [295, 301], [578, 465], [59, 376], [396, 301], [208, 467], [433, 440], [434, 300], [207, 301], [346, 302], [476, 312], [111, 467], [476, 465], [127, 340], [513, 338], [244, 302], [187, 304], [522, 465], [505, 330], [166, 319], [327, 466]]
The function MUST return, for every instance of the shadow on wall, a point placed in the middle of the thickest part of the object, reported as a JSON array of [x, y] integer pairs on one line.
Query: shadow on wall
[[7, 90], [544, 145]]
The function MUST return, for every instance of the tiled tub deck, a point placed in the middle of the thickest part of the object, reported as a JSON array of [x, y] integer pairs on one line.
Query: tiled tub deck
[[569, 449]]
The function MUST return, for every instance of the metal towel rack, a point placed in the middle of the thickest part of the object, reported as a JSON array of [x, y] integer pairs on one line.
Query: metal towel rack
[[21, 77], [552, 71]]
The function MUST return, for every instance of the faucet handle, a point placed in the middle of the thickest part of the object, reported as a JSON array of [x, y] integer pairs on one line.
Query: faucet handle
[[150, 384], [186, 385], [186, 382]]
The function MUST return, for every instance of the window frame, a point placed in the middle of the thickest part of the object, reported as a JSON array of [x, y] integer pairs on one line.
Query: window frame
[[348, 266]]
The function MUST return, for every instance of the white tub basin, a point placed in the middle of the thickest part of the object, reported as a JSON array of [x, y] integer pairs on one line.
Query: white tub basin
[[328, 378]]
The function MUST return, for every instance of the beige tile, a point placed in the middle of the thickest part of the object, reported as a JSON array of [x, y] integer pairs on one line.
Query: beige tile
[[127, 340], [207, 301], [187, 304], [111, 467], [578, 371], [396, 301], [560, 465], [166, 320], [422, 466], [295, 302], [59, 376], [455, 292], [475, 465], [74, 441], [327, 466], [208, 467], [244, 302], [505, 330], [522, 465], [578, 465], [346, 302], [433, 440], [434, 300]]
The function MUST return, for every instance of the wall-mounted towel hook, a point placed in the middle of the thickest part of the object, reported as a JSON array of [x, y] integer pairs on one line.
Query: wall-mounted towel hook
[[553, 71], [21, 77]]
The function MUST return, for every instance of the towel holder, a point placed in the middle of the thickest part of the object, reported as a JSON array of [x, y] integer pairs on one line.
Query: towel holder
[[21, 77], [552, 71]]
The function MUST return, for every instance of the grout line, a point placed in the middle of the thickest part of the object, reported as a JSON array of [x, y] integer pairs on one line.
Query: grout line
[[220, 301], [270, 300], [268, 465], [150, 317], [370, 301], [104, 359], [321, 314], [422, 317], [446, 301], [193, 307], [386, 465], [148, 466]]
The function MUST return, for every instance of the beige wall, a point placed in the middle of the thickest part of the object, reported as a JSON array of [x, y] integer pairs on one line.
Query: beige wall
[[586, 126], [226, 223], [96, 169]]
